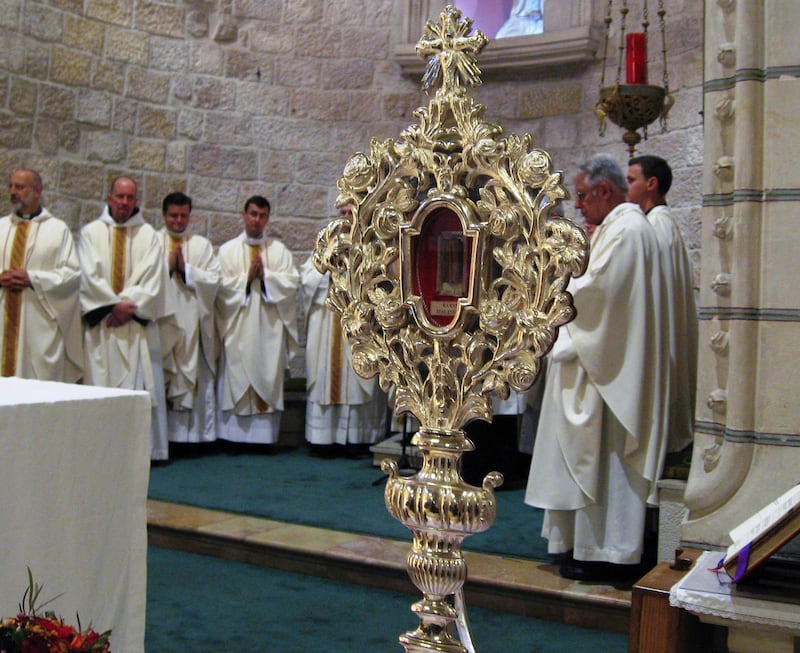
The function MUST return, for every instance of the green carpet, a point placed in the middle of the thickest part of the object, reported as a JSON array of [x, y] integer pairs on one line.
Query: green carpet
[[198, 604], [339, 494]]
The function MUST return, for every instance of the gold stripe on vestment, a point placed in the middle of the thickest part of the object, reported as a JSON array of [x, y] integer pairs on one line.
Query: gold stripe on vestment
[[336, 361], [118, 260], [14, 302]]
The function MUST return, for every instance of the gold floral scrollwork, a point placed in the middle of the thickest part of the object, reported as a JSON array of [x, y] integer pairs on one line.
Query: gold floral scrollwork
[[503, 191]]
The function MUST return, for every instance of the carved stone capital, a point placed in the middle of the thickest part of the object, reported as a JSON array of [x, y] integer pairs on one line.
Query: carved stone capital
[[724, 167], [723, 227], [720, 342], [726, 54], [725, 109], [721, 284], [711, 456], [717, 400]]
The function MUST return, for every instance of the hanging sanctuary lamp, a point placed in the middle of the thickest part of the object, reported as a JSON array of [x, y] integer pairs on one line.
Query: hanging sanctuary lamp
[[634, 104]]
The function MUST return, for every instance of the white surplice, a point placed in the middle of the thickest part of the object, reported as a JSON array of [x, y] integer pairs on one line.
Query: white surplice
[[190, 359], [682, 325], [342, 407], [49, 346], [127, 356], [599, 446], [257, 323]]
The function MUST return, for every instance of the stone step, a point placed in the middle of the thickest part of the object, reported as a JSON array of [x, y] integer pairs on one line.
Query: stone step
[[506, 584]]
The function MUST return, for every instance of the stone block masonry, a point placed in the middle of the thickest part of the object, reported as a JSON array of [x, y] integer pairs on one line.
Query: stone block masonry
[[226, 98]]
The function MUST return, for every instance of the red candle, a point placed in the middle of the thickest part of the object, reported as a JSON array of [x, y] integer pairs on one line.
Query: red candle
[[636, 58]]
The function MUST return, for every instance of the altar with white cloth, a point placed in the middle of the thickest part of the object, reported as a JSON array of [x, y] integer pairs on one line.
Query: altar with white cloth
[[74, 470]]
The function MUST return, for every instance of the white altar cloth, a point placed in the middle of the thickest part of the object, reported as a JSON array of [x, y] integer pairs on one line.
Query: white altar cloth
[[74, 471], [701, 592]]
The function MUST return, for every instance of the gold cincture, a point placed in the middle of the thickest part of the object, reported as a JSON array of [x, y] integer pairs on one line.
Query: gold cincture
[[450, 278]]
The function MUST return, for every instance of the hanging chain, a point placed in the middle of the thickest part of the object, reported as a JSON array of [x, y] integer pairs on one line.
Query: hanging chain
[[624, 12], [608, 20], [645, 17], [662, 23]]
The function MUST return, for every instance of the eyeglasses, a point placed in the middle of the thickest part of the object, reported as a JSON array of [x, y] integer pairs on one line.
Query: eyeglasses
[[580, 196]]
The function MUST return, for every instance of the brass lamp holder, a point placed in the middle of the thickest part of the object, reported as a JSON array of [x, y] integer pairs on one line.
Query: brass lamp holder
[[633, 106], [450, 278]]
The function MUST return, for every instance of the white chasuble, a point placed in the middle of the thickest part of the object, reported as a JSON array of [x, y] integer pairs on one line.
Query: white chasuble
[[605, 393], [190, 355], [49, 346], [324, 360], [257, 323], [127, 356], [682, 326], [342, 406]]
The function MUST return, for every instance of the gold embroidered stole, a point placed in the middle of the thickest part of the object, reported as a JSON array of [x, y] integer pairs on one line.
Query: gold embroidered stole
[[118, 259], [255, 252], [14, 302], [174, 243], [261, 405], [336, 361]]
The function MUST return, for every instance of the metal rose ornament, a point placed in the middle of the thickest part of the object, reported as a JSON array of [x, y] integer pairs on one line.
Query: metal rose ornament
[[450, 278]]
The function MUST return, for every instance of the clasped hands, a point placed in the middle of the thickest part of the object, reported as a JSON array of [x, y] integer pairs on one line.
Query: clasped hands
[[15, 279], [176, 263], [256, 270], [121, 314]]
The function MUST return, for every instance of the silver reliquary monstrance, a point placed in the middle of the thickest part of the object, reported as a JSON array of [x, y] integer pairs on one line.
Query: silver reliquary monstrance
[[450, 280]]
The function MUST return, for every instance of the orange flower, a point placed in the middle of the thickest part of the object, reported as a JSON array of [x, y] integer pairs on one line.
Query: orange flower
[[30, 632]]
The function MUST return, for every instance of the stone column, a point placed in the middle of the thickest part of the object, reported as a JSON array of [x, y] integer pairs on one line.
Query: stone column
[[747, 428]]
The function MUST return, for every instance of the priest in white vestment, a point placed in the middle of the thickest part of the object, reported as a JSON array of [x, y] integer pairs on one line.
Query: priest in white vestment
[[123, 296], [342, 408], [649, 180], [39, 282], [190, 355], [599, 448], [257, 323]]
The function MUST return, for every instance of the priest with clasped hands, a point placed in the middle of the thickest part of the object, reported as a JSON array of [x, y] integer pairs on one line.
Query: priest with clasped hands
[[189, 340], [257, 322]]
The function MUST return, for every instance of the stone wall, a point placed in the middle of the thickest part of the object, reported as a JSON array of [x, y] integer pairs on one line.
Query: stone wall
[[220, 99], [226, 98]]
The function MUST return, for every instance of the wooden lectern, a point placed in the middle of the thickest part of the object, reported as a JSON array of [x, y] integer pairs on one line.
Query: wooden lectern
[[657, 627]]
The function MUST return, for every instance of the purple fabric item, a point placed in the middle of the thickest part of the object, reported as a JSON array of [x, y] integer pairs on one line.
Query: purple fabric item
[[741, 563]]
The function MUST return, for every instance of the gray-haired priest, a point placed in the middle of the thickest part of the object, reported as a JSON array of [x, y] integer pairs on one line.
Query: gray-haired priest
[[601, 442]]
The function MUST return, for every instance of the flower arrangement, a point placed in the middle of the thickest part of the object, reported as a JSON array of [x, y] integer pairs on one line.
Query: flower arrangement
[[30, 632]]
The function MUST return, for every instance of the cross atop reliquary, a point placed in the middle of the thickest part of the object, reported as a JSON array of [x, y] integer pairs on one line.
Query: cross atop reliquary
[[454, 52]]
